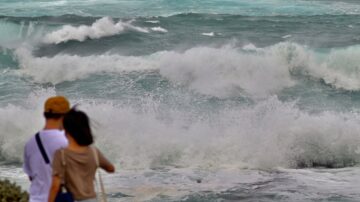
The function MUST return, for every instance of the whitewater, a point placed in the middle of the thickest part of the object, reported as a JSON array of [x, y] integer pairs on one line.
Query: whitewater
[[212, 100]]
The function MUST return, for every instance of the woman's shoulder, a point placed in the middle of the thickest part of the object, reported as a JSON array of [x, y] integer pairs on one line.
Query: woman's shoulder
[[59, 151]]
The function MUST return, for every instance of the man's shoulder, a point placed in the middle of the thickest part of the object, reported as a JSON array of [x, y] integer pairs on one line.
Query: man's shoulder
[[46, 137], [51, 132], [54, 139], [31, 141], [52, 135]]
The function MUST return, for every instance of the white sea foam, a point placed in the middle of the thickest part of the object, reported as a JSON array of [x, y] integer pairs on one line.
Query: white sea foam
[[208, 34], [286, 36], [159, 29], [250, 47], [339, 68], [100, 28], [153, 21], [222, 72], [227, 71], [267, 135], [219, 72], [270, 134]]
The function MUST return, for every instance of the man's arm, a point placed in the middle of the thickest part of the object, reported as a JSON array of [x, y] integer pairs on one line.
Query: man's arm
[[26, 166]]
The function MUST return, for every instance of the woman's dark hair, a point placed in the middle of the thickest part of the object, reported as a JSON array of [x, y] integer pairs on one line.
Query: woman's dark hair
[[76, 123]]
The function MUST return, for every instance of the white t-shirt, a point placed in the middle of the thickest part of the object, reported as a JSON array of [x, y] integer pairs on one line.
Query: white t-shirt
[[35, 166]]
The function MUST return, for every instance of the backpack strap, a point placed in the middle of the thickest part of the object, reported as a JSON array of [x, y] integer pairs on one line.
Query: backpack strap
[[41, 148]]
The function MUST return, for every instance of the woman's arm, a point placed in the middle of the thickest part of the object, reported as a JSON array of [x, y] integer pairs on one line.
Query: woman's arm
[[54, 189], [105, 163]]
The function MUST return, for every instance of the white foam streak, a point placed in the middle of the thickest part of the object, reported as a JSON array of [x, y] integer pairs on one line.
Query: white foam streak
[[159, 29], [286, 36], [100, 28], [153, 21], [208, 34]]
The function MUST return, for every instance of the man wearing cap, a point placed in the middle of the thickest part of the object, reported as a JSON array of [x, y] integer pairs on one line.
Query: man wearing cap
[[40, 149]]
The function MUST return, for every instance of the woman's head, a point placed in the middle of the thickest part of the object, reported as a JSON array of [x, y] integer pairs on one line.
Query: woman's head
[[76, 124]]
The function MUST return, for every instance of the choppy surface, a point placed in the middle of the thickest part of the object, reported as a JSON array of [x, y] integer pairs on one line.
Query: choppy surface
[[227, 184]]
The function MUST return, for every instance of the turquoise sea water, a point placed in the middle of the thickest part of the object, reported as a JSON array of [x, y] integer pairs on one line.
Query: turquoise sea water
[[232, 100]]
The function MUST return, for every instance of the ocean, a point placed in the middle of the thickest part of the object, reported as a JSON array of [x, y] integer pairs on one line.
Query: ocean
[[194, 101]]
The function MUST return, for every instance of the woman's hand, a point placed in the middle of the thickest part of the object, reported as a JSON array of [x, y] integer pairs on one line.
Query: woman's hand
[[109, 168]]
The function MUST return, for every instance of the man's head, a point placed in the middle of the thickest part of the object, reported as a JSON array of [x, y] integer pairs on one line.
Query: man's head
[[56, 107]]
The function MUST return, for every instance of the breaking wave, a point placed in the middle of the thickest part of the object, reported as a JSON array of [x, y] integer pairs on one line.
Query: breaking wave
[[100, 28], [268, 134], [222, 72]]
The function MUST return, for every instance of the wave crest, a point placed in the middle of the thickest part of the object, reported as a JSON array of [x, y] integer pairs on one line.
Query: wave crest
[[222, 72], [216, 71], [339, 68], [100, 28]]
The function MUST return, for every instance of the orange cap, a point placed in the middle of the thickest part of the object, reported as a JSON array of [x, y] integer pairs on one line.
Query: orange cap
[[57, 105]]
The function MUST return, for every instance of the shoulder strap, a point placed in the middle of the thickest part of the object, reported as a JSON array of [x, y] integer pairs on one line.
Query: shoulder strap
[[63, 163], [95, 156], [41, 148], [102, 195]]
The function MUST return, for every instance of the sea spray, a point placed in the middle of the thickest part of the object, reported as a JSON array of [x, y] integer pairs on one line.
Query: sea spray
[[14, 34], [19, 122], [266, 135], [340, 68]]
